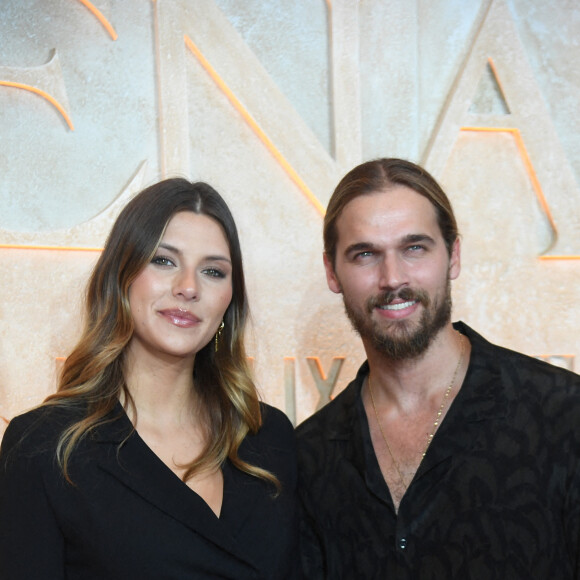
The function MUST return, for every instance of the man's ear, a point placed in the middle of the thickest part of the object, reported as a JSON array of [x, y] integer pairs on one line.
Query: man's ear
[[331, 278], [455, 260]]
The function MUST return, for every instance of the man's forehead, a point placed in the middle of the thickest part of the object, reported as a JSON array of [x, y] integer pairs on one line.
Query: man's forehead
[[397, 205]]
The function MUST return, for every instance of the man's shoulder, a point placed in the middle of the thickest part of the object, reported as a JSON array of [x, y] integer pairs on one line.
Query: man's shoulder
[[325, 439], [538, 379], [524, 372], [333, 415]]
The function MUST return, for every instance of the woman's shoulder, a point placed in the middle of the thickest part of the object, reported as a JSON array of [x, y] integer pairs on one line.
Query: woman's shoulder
[[276, 435], [275, 423], [37, 430], [273, 447]]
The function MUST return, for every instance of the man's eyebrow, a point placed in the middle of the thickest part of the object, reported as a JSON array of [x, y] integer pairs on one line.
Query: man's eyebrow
[[359, 247], [415, 238], [408, 239]]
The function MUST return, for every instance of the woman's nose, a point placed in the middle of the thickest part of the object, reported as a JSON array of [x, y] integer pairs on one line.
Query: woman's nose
[[186, 286]]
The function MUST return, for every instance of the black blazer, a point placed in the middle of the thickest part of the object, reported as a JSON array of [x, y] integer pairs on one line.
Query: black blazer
[[128, 516]]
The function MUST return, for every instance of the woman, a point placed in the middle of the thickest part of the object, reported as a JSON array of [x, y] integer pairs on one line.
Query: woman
[[154, 458]]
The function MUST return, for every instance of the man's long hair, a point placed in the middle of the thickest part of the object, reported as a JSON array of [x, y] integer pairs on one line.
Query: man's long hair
[[381, 175]]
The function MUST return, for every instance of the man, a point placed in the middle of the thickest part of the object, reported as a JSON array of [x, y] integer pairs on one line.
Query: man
[[447, 457]]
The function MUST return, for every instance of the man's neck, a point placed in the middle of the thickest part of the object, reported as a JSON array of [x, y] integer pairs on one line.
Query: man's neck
[[409, 382], [406, 401]]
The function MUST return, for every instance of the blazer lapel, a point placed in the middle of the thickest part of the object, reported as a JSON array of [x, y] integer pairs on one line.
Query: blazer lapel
[[127, 458], [241, 494]]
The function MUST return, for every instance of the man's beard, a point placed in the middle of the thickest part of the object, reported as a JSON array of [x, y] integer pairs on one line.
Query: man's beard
[[401, 339]]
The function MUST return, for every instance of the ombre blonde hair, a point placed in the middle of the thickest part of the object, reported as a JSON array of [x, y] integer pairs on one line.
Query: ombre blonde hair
[[93, 374]]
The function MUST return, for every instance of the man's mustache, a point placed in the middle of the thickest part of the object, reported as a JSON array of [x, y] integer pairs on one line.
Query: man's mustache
[[405, 294]]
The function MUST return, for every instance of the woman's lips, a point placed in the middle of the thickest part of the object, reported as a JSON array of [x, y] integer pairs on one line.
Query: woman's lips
[[181, 318]]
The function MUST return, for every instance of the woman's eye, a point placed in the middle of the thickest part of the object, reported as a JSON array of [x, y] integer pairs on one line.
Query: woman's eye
[[162, 261], [214, 273]]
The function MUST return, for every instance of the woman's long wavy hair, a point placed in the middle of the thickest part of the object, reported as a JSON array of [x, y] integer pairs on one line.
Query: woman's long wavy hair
[[93, 374]]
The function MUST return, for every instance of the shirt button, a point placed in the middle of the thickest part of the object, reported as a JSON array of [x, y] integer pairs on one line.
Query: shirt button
[[403, 543]]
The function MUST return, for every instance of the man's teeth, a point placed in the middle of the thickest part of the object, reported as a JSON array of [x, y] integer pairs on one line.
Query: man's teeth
[[399, 306]]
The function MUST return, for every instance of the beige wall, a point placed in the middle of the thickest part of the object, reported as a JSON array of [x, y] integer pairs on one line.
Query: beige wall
[[272, 102]]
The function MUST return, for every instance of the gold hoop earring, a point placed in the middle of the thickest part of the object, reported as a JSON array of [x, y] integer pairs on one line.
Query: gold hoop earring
[[218, 336]]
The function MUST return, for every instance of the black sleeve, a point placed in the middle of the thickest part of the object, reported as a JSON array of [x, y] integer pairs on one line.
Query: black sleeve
[[31, 544]]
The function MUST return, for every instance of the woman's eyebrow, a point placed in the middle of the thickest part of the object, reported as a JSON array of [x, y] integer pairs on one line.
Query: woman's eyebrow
[[212, 257], [169, 247], [218, 258]]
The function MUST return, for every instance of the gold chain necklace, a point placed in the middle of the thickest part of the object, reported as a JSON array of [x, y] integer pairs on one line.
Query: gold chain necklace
[[437, 417]]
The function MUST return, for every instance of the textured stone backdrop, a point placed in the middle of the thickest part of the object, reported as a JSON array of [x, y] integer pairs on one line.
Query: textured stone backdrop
[[272, 102]]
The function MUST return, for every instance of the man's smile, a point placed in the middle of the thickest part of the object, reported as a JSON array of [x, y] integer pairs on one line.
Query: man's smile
[[399, 306]]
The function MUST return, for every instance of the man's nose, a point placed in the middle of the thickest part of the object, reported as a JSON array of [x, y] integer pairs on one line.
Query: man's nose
[[392, 272]]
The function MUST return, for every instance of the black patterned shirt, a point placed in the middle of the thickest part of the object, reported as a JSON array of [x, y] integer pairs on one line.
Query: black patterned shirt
[[496, 497]]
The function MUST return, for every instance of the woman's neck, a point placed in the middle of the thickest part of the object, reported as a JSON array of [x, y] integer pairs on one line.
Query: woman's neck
[[162, 390]]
